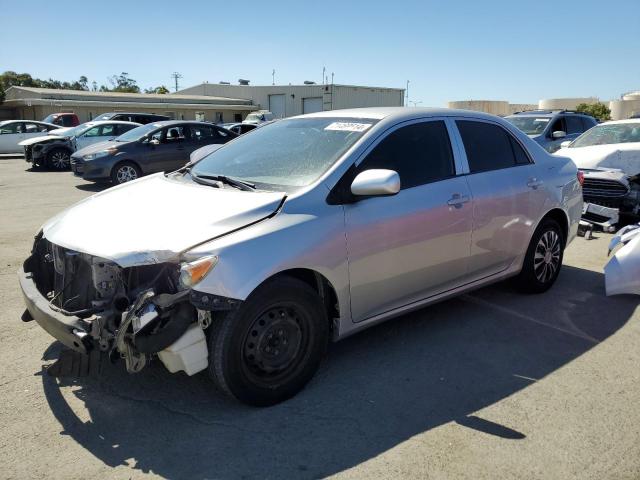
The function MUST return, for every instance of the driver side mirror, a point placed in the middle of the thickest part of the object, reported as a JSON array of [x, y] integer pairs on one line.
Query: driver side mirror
[[558, 134], [565, 144], [376, 182], [154, 141]]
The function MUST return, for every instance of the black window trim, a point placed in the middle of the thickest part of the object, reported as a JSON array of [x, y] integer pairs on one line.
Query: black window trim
[[509, 134]]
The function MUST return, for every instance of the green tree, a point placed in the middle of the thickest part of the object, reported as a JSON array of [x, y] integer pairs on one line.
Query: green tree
[[598, 110], [10, 78], [161, 90], [1, 95], [121, 83]]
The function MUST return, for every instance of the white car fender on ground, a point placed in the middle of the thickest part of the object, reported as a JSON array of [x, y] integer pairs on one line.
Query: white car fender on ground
[[622, 272]]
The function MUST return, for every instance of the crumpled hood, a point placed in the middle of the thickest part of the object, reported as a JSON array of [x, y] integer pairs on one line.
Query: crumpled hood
[[43, 138], [621, 156], [153, 219]]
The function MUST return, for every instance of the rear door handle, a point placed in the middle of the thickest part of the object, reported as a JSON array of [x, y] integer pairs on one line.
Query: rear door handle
[[457, 200], [534, 183]]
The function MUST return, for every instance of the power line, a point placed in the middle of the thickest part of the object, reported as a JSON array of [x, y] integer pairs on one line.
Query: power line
[[176, 76]]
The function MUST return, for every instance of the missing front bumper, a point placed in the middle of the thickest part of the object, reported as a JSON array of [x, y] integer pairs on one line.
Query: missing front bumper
[[71, 331]]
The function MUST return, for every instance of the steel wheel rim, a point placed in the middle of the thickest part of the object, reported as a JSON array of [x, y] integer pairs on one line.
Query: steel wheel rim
[[60, 159], [546, 259], [275, 343], [126, 173]]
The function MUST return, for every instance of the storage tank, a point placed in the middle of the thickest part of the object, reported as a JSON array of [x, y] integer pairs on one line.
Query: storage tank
[[622, 109], [564, 103], [495, 107], [631, 95]]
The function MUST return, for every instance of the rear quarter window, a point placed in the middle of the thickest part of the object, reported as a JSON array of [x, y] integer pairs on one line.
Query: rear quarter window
[[489, 147]]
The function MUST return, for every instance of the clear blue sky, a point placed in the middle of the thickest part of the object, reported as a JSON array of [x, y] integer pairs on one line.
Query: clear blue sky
[[449, 50]]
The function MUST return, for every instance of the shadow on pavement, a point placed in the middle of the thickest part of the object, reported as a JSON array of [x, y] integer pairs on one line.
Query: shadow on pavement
[[376, 389], [93, 187]]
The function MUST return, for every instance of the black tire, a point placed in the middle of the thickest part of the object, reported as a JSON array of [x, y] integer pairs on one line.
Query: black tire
[[124, 172], [543, 261], [269, 348], [59, 159]]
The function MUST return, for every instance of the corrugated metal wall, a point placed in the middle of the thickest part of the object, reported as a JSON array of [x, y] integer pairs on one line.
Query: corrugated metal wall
[[334, 96]]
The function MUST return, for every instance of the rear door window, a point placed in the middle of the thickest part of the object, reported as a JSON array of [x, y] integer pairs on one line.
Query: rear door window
[[488, 146], [107, 130], [122, 128], [34, 128], [420, 153], [574, 125], [201, 133], [587, 123]]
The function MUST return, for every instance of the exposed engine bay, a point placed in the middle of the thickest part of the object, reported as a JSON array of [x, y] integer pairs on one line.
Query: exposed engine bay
[[610, 194], [134, 313]]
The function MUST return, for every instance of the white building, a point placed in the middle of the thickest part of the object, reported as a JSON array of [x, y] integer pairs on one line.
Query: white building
[[289, 100]]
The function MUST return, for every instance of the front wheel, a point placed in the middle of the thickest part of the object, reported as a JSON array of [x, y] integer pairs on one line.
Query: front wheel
[[269, 348], [125, 172], [543, 260], [59, 158]]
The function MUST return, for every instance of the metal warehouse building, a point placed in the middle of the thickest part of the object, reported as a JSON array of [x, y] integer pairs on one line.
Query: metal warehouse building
[[36, 103], [290, 100]]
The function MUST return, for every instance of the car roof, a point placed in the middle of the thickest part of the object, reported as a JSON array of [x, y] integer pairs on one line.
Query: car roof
[[6, 122], [134, 113], [621, 122], [547, 113], [397, 113], [164, 123], [116, 122]]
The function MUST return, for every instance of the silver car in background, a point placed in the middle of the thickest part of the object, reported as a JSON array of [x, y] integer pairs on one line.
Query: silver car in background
[[248, 262]]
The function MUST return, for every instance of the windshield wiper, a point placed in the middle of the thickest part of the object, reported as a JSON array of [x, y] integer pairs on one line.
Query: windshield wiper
[[234, 182]]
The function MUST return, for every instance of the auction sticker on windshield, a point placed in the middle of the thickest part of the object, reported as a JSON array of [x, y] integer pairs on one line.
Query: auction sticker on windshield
[[348, 126]]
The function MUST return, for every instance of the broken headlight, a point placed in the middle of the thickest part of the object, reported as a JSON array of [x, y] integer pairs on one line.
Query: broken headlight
[[192, 272]]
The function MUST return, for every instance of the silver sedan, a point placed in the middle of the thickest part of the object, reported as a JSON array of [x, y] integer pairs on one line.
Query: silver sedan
[[250, 260]]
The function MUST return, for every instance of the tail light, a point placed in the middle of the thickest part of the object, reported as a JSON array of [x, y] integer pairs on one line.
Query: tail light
[[580, 177]]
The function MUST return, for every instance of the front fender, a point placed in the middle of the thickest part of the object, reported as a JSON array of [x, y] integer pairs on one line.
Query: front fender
[[289, 240]]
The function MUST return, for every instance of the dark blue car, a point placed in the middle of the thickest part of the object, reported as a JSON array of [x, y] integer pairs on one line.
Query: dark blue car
[[155, 147]]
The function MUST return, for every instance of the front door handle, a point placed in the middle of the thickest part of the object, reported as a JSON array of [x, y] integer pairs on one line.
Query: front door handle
[[457, 200], [534, 183]]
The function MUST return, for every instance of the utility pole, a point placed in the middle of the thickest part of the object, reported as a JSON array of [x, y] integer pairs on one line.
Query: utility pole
[[323, 70], [176, 76], [331, 78], [273, 77]]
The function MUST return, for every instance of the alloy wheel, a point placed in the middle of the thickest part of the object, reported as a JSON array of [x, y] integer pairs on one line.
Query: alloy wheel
[[60, 160], [126, 173], [546, 260]]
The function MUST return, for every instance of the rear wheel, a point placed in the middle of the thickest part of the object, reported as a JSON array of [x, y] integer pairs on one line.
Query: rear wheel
[[269, 348], [59, 159], [125, 172], [543, 260]]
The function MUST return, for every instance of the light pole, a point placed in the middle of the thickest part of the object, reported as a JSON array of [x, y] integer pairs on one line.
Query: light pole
[[407, 95]]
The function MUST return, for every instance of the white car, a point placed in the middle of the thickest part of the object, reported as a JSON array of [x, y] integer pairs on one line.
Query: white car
[[258, 117], [54, 150], [12, 132], [609, 157]]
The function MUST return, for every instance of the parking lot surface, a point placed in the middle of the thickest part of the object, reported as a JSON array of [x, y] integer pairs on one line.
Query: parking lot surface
[[493, 384]]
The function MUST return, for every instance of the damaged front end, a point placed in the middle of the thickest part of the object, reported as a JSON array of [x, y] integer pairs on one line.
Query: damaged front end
[[135, 313], [608, 195]]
